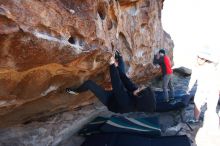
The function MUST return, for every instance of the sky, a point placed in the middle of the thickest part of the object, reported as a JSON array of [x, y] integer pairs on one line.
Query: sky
[[192, 25]]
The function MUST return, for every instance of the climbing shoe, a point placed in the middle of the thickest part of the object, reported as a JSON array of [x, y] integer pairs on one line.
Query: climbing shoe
[[68, 90]]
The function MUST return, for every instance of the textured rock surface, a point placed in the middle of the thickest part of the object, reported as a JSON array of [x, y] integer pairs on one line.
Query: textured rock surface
[[58, 130], [37, 61]]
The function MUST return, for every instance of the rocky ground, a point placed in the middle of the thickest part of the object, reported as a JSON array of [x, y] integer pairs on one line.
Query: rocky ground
[[61, 129]]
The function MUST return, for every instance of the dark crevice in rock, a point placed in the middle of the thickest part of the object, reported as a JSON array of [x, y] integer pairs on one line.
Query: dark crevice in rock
[[143, 25], [126, 3], [72, 40], [102, 10], [123, 39], [144, 46], [112, 45], [77, 39], [124, 45]]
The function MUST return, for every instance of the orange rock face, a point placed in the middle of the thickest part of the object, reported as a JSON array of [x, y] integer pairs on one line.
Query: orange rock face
[[46, 46]]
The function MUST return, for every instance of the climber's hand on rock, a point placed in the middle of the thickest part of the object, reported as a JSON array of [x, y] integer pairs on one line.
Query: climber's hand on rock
[[112, 60]]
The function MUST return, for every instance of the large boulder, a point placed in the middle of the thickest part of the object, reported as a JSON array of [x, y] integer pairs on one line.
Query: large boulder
[[46, 46]]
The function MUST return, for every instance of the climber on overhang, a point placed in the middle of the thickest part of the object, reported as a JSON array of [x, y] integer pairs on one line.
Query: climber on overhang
[[125, 96]]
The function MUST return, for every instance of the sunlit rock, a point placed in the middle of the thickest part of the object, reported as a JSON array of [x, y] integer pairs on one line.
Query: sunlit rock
[[46, 46]]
